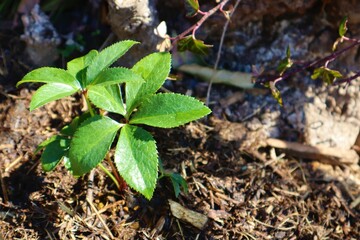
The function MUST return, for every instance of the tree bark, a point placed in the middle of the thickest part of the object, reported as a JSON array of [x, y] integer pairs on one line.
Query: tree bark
[[135, 20]]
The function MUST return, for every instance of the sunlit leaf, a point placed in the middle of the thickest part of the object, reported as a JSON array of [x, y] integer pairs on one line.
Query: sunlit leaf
[[326, 74], [343, 27], [50, 92], [107, 57], [91, 142], [136, 159], [107, 98], [115, 75], [50, 75], [77, 67], [192, 7], [168, 110], [154, 69]]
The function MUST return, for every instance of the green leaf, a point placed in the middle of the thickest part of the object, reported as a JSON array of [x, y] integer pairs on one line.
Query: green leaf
[[193, 45], [50, 75], [57, 147], [326, 74], [44, 143], [168, 110], [136, 159], [343, 27], [285, 63], [67, 164], [54, 152], [51, 92], [192, 7], [154, 69], [77, 64], [116, 75], [107, 57], [91, 142], [108, 98], [77, 67], [288, 52], [70, 129], [178, 181], [335, 73]]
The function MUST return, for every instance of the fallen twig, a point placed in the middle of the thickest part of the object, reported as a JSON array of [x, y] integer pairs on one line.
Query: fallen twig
[[90, 191], [100, 218], [333, 156]]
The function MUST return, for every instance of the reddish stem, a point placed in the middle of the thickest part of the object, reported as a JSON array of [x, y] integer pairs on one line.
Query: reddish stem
[[328, 58], [119, 179], [194, 27]]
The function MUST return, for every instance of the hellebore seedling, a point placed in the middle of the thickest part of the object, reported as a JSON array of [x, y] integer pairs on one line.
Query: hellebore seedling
[[84, 143]]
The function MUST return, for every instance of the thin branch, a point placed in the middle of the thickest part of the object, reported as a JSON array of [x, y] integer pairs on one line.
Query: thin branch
[[330, 58], [347, 80], [100, 218], [90, 190], [226, 25]]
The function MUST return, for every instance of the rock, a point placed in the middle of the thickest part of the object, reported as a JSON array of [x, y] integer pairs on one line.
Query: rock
[[40, 36], [333, 118], [135, 20], [249, 10]]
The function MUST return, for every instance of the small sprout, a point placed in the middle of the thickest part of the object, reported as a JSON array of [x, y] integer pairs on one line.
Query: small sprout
[[83, 144], [178, 182], [342, 31], [192, 7], [193, 45], [285, 63], [326, 74], [343, 27], [276, 93]]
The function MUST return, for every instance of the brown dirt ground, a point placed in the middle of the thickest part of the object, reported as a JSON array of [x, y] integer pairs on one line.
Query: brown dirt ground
[[245, 195]]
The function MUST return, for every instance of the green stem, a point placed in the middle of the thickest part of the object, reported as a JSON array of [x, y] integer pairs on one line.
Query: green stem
[[110, 175], [91, 110]]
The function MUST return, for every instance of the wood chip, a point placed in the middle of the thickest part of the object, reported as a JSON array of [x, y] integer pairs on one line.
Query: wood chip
[[196, 219], [333, 156], [217, 215]]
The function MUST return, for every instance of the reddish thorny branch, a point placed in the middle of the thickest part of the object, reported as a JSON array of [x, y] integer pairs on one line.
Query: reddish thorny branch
[[205, 16], [326, 59]]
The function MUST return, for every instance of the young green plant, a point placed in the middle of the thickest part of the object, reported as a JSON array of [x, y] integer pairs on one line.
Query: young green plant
[[84, 143]]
